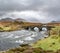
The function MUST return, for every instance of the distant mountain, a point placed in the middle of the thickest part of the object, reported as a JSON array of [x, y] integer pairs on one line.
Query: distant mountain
[[12, 20], [33, 20], [20, 19], [27, 20], [55, 21], [7, 19]]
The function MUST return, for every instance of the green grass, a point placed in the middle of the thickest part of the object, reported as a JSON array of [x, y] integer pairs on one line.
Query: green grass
[[50, 43]]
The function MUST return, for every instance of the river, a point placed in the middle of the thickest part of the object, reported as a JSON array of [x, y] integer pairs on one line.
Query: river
[[15, 38]]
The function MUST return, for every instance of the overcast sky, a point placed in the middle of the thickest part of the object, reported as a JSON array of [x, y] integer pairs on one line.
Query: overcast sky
[[33, 10]]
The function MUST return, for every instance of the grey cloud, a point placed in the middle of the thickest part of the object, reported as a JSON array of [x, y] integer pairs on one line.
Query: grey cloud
[[52, 7], [9, 5]]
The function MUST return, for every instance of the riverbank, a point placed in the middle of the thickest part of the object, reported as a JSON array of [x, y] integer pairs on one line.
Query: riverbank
[[49, 44]]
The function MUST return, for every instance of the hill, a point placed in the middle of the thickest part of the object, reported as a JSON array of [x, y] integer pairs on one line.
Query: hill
[[9, 24]]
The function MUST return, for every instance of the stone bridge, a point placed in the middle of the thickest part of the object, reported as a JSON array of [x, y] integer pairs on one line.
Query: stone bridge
[[39, 26]]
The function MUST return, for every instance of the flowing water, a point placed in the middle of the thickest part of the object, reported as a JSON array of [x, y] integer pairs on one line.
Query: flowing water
[[15, 38]]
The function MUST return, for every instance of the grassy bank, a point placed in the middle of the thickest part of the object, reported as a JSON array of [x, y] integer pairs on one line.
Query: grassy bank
[[46, 45], [51, 43]]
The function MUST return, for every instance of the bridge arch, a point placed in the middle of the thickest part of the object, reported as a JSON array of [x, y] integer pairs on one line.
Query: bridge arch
[[36, 29], [44, 27]]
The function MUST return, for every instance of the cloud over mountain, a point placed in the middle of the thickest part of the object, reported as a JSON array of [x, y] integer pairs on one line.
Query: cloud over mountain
[[49, 9]]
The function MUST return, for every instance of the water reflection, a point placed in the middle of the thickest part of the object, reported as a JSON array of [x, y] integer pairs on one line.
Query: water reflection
[[36, 29]]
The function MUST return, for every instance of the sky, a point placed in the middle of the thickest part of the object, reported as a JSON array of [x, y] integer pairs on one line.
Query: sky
[[31, 10]]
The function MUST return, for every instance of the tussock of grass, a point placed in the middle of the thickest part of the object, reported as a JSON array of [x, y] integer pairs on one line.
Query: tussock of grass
[[50, 43]]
